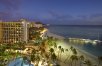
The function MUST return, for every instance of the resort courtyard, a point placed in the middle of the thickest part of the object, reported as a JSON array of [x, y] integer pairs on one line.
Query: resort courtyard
[[49, 52]]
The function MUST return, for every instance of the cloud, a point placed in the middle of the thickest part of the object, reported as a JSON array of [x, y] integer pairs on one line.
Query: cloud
[[10, 7], [11, 4], [93, 19], [95, 15], [84, 17], [60, 16]]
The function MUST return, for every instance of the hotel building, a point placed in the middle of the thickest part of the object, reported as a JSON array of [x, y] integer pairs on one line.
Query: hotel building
[[20, 31], [13, 32]]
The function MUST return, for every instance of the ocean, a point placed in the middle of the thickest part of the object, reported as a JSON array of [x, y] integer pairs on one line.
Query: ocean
[[83, 32]]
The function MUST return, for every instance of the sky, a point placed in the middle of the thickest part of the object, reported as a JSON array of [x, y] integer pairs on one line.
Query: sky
[[64, 12]]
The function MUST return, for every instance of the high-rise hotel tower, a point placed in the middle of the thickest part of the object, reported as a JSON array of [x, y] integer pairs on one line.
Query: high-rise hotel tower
[[13, 32]]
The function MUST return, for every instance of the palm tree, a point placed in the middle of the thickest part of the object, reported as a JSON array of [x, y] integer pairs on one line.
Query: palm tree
[[43, 51], [2, 49], [20, 46], [88, 63], [55, 42], [59, 54], [74, 51], [76, 59], [33, 51], [73, 58], [50, 41], [51, 51], [62, 50], [53, 57], [71, 49], [81, 59], [59, 47], [55, 45], [33, 57], [99, 60], [66, 50]]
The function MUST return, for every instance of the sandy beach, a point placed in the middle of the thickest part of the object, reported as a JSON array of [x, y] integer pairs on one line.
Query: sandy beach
[[65, 45], [55, 35]]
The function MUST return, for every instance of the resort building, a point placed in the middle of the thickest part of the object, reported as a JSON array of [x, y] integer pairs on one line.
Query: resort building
[[13, 32]]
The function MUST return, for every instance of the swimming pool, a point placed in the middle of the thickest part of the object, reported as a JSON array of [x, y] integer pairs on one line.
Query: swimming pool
[[19, 62]]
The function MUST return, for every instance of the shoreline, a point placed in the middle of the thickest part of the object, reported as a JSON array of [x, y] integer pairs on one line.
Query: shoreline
[[54, 35], [88, 55]]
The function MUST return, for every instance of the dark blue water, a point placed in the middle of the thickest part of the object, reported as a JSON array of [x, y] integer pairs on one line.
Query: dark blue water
[[85, 32]]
